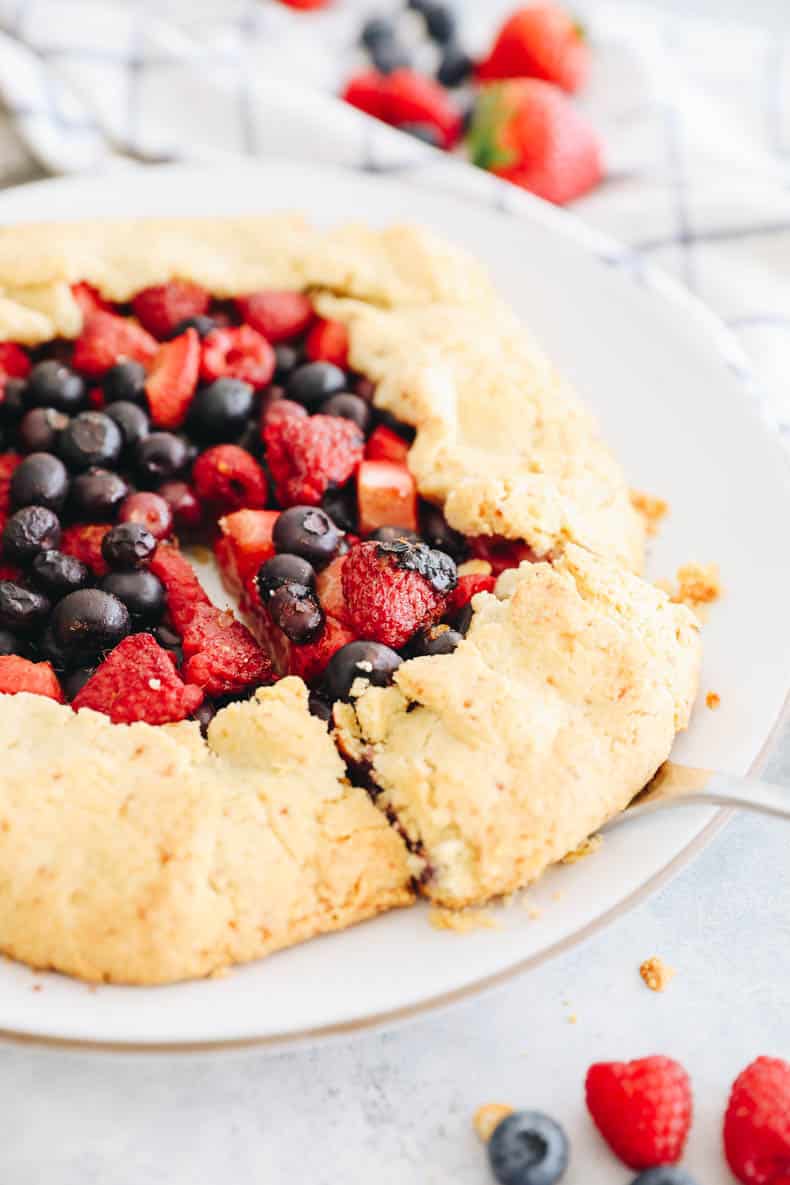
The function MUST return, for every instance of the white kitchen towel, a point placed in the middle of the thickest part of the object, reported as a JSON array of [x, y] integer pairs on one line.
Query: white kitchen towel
[[695, 117]]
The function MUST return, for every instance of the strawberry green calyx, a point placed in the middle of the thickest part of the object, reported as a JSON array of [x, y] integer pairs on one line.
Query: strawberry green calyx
[[484, 138]]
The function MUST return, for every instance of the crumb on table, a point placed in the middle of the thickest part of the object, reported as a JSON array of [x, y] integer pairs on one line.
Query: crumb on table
[[652, 509], [586, 848], [656, 974], [488, 1117], [713, 700], [698, 584], [462, 921]]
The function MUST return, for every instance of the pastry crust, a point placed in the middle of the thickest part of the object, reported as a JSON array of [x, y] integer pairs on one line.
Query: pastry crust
[[565, 697]]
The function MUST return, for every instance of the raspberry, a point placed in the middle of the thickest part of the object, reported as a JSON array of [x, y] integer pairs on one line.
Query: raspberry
[[641, 1108], [18, 674], [307, 456], [310, 661], [106, 339], [83, 540], [8, 463], [239, 353], [385, 445], [501, 553], [245, 544], [221, 654], [278, 316], [757, 1124], [281, 409], [185, 593], [161, 309], [138, 681], [229, 478], [171, 384], [327, 341], [467, 587], [393, 589]]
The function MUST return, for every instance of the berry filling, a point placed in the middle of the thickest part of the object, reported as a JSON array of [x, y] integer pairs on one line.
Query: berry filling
[[239, 425]]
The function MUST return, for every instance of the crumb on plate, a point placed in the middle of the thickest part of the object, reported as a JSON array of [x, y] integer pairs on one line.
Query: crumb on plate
[[652, 509], [656, 974], [713, 700], [462, 921]]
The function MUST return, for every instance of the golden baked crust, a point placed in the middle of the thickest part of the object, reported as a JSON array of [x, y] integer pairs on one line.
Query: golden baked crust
[[565, 697]]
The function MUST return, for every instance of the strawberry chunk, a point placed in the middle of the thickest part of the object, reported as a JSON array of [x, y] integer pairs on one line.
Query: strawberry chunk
[[8, 463], [307, 456], [19, 674], [501, 553], [107, 338], [245, 544], [329, 587], [221, 654], [386, 496], [83, 541], [414, 98], [757, 1123], [278, 316], [327, 341], [14, 361], [162, 308], [393, 589], [185, 594], [237, 353], [385, 445], [170, 387], [468, 587], [310, 661], [138, 681], [367, 91], [89, 299], [641, 1108], [229, 478]]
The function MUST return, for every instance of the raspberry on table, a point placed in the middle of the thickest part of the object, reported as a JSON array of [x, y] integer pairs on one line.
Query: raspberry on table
[[757, 1123], [138, 681], [641, 1108], [308, 456]]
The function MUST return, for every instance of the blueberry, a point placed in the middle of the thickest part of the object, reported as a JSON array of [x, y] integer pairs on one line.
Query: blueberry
[[360, 660], [438, 639], [87, 622], [364, 387], [314, 382], [125, 382], [422, 131], [127, 546], [320, 707], [349, 407], [74, 682], [202, 325], [389, 56], [161, 457], [169, 640], [21, 608], [286, 359], [308, 532], [91, 438], [51, 384], [132, 421], [376, 29], [295, 609], [29, 531], [220, 411], [14, 401], [50, 651], [10, 643], [97, 494], [455, 67], [58, 574], [40, 480], [528, 1148], [204, 715], [438, 533], [341, 506], [40, 428], [142, 593], [440, 22], [664, 1174], [395, 534], [284, 569], [463, 619]]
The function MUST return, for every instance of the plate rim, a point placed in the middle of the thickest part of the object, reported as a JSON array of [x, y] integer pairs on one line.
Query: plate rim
[[607, 249]]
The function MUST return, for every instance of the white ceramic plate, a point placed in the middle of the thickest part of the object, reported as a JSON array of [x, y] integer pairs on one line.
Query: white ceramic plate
[[666, 382]]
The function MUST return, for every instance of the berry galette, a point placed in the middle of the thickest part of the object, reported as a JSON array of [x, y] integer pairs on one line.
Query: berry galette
[[440, 670]]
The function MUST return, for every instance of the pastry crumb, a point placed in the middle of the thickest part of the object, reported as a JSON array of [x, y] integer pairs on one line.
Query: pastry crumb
[[474, 568], [462, 921], [656, 974], [487, 1119], [557, 895], [586, 848], [713, 700], [697, 585], [652, 509], [573, 1019]]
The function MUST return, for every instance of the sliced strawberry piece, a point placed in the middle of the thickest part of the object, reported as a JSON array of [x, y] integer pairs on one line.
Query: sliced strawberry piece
[[310, 661], [387, 496], [327, 341], [329, 587], [237, 353], [367, 91], [84, 540], [185, 593], [221, 654], [414, 98], [8, 463], [162, 308], [89, 299], [501, 553], [138, 681], [14, 361], [18, 674], [468, 587], [229, 478], [385, 445], [245, 544], [278, 316], [106, 339], [171, 385]]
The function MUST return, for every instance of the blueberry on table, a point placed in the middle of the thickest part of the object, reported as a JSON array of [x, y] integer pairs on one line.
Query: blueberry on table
[[125, 382], [389, 56], [127, 546], [91, 438], [284, 569], [51, 384], [422, 131], [220, 411], [307, 531], [40, 428], [21, 608], [29, 531], [97, 494], [528, 1148], [375, 30], [132, 421], [40, 480], [349, 407], [295, 609], [57, 574], [314, 382], [440, 22], [455, 67], [664, 1174], [370, 661], [87, 622], [141, 592]]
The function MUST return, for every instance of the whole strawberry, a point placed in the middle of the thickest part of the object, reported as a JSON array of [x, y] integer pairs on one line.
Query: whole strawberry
[[641, 1108], [528, 132], [757, 1124], [539, 41], [393, 589]]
